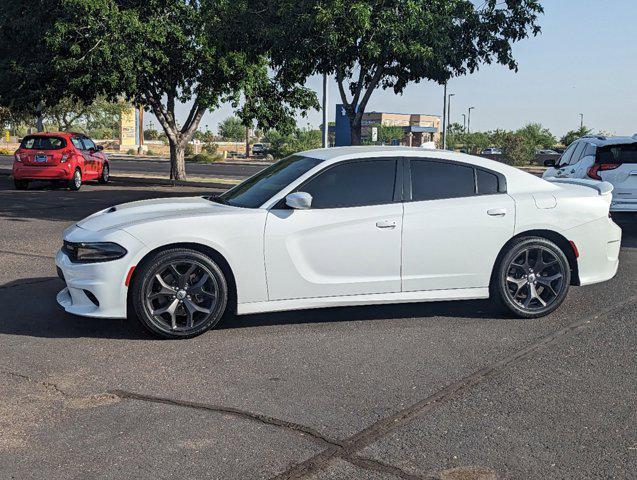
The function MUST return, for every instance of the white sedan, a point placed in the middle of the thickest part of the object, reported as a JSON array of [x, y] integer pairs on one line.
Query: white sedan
[[343, 226]]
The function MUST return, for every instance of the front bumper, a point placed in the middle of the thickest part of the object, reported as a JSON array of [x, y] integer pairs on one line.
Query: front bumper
[[97, 290], [64, 171]]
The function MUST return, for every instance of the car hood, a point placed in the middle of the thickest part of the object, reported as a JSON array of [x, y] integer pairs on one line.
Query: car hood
[[121, 216]]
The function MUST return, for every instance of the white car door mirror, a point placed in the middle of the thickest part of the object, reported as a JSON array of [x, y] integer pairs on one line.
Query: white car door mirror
[[299, 200]]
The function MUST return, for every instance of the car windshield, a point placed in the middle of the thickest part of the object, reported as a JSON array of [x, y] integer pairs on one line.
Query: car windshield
[[42, 143], [256, 190]]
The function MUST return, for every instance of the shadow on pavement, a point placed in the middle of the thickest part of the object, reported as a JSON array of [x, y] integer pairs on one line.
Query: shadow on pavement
[[30, 309]]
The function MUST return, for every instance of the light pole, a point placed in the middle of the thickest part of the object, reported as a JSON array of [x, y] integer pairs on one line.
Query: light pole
[[325, 126], [464, 122], [444, 118], [469, 120], [581, 120], [449, 109]]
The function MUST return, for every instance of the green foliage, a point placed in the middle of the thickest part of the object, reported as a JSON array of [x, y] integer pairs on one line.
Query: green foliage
[[131, 151], [210, 148], [387, 133], [388, 44], [151, 134], [189, 150], [232, 129], [573, 135], [284, 144], [204, 158]]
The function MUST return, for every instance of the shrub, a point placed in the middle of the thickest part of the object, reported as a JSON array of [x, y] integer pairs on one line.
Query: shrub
[[132, 151], [203, 158], [4, 151], [150, 152], [210, 148], [189, 150]]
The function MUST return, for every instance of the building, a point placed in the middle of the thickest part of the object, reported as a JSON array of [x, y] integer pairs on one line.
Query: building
[[417, 128]]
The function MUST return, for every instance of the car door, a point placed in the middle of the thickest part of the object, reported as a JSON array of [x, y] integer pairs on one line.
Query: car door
[[93, 160], [456, 219], [347, 243]]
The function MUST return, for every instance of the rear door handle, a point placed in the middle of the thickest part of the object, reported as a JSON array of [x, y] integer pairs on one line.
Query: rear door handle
[[386, 224], [497, 212]]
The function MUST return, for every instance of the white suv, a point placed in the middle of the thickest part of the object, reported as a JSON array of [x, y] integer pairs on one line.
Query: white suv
[[612, 159]]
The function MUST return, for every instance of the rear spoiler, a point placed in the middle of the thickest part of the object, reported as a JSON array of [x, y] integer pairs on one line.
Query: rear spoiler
[[603, 188]]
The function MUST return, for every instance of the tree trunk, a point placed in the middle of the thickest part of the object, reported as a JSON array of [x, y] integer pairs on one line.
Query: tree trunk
[[355, 129], [247, 142], [39, 118], [177, 159]]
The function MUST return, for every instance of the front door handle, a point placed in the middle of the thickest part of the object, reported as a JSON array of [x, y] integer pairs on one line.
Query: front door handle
[[497, 212], [386, 224]]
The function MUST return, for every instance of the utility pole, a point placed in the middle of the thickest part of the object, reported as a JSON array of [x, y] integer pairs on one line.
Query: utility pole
[[464, 122], [326, 129], [444, 119], [247, 142], [581, 120], [469, 120]]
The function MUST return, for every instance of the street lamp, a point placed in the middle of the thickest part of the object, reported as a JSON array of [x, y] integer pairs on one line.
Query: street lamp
[[464, 122], [469, 120], [325, 125], [581, 120], [444, 118]]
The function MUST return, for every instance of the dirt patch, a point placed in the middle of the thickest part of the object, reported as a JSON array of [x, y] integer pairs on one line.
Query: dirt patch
[[468, 473]]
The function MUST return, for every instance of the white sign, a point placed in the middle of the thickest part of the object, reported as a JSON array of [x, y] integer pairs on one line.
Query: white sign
[[374, 134]]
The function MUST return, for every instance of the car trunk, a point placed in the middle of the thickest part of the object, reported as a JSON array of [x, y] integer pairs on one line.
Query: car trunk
[[620, 169], [42, 150]]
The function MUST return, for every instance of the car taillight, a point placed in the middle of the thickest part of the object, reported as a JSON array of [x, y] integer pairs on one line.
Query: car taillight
[[18, 158], [599, 167]]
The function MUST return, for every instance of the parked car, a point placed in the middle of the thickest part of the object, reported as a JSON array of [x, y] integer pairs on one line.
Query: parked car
[[546, 151], [343, 226], [607, 159], [492, 151], [258, 149], [66, 158]]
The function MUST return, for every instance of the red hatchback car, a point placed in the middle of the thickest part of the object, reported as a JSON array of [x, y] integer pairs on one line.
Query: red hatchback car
[[67, 158]]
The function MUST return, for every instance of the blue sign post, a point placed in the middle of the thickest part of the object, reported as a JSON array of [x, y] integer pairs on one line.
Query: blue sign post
[[343, 131]]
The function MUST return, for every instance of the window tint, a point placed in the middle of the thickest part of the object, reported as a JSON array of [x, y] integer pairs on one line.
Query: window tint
[[88, 143], [577, 154], [566, 156], [590, 150], [436, 180], [254, 192], [353, 184], [487, 183], [42, 143], [618, 154], [77, 143]]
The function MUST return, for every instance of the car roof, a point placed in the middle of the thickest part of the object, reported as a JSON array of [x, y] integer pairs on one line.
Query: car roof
[[51, 134], [601, 140]]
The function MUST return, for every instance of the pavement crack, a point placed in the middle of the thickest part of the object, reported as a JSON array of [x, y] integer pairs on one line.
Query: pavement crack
[[47, 385], [381, 428], [243, 414]]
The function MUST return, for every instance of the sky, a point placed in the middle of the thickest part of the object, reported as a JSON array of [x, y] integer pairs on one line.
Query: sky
[[584, 61]]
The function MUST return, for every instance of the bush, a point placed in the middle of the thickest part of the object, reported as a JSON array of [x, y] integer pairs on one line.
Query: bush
[[150, 152], [132, 151], [189, 150], [4, 151], [203, 158], [210, 148]]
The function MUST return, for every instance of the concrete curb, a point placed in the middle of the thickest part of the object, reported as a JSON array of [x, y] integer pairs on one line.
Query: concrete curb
[[166, 159]]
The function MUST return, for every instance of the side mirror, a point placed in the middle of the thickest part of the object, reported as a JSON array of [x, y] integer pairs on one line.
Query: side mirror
[[299, 200], [549, 162], [99, 148]]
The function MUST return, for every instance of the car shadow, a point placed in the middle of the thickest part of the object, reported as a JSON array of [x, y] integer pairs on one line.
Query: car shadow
[[30, 309]]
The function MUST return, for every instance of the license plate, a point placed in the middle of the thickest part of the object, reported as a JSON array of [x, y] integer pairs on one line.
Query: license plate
[[40, 158]]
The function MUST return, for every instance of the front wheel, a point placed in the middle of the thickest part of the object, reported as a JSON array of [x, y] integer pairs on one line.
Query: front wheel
[[76, 181], [104, 177], [21, 184], [532, 278], [179, 293]]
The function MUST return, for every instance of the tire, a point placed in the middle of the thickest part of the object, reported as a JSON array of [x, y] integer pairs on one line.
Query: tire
[[76, 182], [190, 299], [105, 176], [526, 286], [20, 184]]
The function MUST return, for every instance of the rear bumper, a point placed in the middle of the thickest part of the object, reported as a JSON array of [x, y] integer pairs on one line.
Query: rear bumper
[[63, 171], [598, 243], [620, 205]]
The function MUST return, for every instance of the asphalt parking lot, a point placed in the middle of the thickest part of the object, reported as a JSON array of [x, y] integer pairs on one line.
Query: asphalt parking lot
[[442, 391]]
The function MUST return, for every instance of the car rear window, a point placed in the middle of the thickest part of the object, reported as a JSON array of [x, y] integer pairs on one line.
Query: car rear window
[[626, 153], [43, 143]]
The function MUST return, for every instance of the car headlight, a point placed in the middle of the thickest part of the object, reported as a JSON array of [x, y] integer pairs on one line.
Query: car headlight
[[93, 251]]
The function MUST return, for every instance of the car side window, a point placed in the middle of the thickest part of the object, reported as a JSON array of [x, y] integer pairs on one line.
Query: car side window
[[431, 180], [88, 143], [590, 151], [566, 156], [487, 183], [353, 184], [577, 154], [77, 143]]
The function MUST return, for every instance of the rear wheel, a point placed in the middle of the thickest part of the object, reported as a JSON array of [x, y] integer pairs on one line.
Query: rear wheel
[[104, 177], [21, 184], [76, 182], [179, 293], [532, 278]]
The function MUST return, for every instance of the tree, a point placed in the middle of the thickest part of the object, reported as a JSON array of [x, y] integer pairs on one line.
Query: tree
[[232, 129], [155, 53], [370, 44], [536, 136], [387, 133], [573, 135]]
